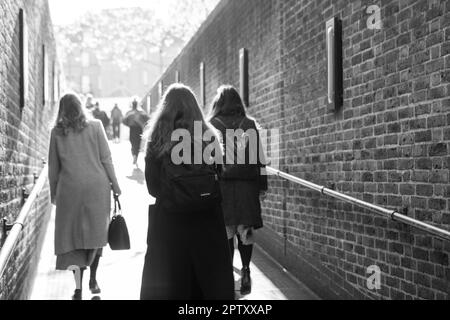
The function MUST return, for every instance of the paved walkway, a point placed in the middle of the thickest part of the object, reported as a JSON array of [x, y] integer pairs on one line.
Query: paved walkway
[[120, 273]]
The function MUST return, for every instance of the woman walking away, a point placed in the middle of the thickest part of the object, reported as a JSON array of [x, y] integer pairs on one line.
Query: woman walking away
[[188, 256], [136, 120], [81, 175], [116, 117], [242, 181]]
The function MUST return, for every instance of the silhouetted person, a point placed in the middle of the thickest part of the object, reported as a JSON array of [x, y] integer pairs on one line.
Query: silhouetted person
[[187, 256], [89, 102], [136, 120], [116, 117], [101, 115], [241, 182]]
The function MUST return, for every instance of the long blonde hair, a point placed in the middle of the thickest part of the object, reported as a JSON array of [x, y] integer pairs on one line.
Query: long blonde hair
[[178, 109]]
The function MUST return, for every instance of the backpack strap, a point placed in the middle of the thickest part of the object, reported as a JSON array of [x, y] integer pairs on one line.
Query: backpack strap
[[220, 122], [242, 122]]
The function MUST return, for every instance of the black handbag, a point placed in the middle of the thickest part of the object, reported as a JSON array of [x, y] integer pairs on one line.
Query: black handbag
[[118, 236]]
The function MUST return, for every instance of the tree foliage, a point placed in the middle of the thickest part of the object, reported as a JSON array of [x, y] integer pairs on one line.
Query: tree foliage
[[130, 34]]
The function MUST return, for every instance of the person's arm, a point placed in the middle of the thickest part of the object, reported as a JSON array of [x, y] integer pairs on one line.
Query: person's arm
[[106, 158], [263, 180], [54, 167], [107, 120], [126, 120], [153, 176]]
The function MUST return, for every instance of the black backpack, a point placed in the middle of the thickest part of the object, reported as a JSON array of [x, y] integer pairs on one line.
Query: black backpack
[[238, 171], [190, 188]]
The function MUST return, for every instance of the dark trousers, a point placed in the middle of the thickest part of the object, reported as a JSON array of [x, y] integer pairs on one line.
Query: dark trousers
[[136, 139], [116, 130]]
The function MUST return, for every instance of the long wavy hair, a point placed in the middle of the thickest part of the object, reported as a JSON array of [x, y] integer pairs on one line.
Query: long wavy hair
[[227, 102], [178, 109], [71, 115]]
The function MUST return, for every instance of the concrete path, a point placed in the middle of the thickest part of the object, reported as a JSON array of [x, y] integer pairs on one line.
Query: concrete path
[[120, 273]]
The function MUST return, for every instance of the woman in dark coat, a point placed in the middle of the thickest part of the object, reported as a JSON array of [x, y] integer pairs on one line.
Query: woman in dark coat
[[242, 181], [187, 256]]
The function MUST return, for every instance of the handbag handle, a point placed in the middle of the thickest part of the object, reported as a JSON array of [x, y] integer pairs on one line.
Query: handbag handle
[[117, 205]]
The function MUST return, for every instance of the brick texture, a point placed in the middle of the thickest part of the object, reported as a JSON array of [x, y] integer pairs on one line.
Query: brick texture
[[389, 145], [24, 134]]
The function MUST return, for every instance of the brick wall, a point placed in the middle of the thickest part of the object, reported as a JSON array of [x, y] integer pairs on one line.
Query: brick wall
[[24, 134], [389, 145]]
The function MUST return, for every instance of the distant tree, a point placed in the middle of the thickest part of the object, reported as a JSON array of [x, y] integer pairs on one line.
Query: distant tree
[[130, 34]]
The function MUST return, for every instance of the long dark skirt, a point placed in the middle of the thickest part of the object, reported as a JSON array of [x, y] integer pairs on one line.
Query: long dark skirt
[[187, 258]]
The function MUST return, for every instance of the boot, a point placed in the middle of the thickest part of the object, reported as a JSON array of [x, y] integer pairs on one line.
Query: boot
[[93, 286], [246, 281], [78, 295]]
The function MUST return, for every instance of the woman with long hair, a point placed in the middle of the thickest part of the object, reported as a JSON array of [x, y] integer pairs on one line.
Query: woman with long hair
[[242, 182], [81, 175], [187, 256]]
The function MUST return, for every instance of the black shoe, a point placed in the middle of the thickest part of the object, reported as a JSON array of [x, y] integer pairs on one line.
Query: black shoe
[[246, 281], [78, 295], [93, 286]]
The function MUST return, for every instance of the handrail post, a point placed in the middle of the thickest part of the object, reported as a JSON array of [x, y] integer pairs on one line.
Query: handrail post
[[25, 195], [15, 229], [6, 227]]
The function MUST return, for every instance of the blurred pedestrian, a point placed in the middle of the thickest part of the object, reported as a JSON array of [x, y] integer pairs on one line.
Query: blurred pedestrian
[[89, 102], [241, 182], [187, 256], [101, 115], [136, 120], [116, 117], [81, 175]]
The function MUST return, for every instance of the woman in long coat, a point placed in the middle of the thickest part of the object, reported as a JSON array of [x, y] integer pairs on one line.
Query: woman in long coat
[[187, 256], [81, 175], [242, 182]]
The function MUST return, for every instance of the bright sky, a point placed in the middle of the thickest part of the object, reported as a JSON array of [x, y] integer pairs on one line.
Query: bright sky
[[67, 11]]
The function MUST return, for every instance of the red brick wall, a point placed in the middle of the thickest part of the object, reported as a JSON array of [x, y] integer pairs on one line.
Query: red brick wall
[[389, 145], [24, 135]]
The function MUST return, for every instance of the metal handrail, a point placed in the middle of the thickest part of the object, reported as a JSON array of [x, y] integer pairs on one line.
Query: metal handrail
[[17, 227], [392, 214]]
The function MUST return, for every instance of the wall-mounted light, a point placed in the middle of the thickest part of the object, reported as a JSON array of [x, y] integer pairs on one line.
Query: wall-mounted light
[[177, 77], [23, 38], [149, 103], [335, 69], [244, 79], [202, 85], [45, 92], [160, 89]]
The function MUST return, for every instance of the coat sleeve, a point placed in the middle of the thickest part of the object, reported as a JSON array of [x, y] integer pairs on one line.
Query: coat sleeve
[[106, 158], [262, 161], [54, 167], [153, 176], [126, 120]]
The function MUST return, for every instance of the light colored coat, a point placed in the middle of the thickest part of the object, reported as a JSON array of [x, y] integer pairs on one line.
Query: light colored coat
[[81, 175]]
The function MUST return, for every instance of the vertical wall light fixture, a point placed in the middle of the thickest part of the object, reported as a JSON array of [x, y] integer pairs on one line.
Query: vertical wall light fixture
[[177, 77], [23, 39], [161, 89], [202, 85], [244, 79], [335, 69], [149, 103], [45, 92]]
